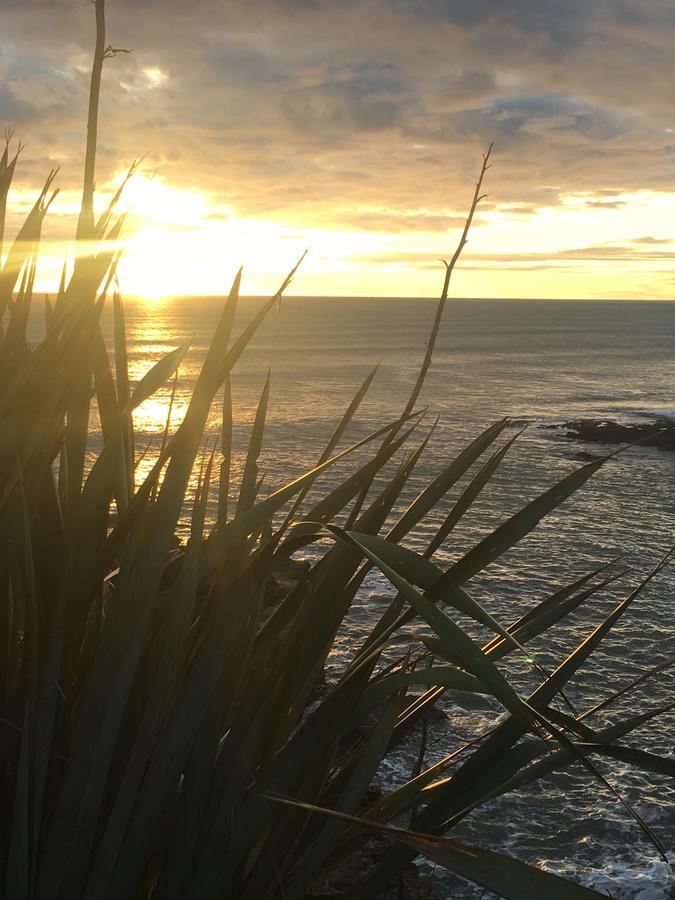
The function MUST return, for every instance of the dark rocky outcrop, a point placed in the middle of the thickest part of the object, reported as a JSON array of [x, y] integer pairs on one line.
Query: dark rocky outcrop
[[413, 884], [283, 578], [658, 433]]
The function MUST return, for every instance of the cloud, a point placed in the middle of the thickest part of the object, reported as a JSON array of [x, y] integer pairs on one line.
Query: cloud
[[401, 222], [307, 108], [605, 204], [648, 239], [540, 261], [13, 109]]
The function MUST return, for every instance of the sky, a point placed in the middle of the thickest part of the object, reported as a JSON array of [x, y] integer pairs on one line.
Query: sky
[[355, 129]]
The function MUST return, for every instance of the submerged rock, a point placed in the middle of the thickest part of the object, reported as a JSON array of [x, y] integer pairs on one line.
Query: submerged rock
[[584, 456]]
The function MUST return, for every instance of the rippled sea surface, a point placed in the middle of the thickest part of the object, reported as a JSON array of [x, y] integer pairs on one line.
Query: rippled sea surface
[[539, 362]]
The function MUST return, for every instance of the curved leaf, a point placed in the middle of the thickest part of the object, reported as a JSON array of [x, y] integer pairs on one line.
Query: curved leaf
[[156, 377]]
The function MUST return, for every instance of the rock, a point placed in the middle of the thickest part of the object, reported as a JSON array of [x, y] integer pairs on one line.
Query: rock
[[659, 433], [283, 579], [412, 885], [584, 456]]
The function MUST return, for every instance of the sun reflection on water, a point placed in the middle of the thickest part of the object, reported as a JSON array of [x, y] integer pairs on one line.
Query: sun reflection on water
[[151, 416]]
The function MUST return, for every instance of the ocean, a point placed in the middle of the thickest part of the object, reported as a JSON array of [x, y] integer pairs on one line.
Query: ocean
[[542, 363]]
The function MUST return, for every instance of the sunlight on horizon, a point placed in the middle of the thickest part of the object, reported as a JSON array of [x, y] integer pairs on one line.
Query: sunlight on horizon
[[180, 241]]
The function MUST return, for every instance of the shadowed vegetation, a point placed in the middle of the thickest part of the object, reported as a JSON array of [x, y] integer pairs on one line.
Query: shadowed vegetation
[[160, 731]]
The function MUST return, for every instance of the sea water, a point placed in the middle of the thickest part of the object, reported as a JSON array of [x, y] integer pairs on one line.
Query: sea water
[[541, 363]]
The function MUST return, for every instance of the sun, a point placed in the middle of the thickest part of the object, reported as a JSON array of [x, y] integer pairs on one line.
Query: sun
[[183, 242], [149, 198], [168, 236]]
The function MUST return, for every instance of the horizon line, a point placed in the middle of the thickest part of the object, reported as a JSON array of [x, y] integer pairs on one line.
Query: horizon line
[[338, 297]]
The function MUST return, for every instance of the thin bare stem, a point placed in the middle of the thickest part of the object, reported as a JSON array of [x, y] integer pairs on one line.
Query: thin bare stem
[[431, 343], [85, 224], [449, 267]]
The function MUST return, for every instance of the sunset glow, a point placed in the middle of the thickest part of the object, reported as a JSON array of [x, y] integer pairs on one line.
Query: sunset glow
[[182, 241], [258, 145]]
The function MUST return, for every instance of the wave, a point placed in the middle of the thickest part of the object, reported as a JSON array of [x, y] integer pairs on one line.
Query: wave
[[624, 882], [666, 412]]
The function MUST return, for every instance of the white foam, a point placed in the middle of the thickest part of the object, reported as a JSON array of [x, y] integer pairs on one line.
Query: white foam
[[656, 881], [665, 412]]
